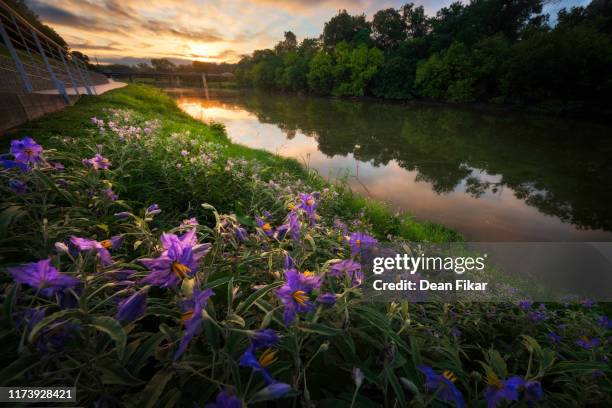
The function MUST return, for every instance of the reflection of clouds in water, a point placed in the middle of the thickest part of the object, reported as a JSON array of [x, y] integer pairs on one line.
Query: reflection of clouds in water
[[494, 214]]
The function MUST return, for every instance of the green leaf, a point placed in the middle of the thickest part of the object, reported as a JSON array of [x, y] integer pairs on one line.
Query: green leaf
[[318, 329], [269, 393], [17, 368], [9, 302], [114, 373], [7, 216], [154, 389], [399, 392], [248, 302], [144, 351], [64, 315], [113, 328]]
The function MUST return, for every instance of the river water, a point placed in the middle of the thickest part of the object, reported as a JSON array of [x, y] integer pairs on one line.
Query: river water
[[491, 176]]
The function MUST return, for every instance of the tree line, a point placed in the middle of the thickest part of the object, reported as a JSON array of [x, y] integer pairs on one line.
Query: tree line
[[500, 51]]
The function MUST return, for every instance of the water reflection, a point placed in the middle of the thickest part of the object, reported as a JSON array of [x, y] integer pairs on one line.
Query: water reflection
[[492, 176]]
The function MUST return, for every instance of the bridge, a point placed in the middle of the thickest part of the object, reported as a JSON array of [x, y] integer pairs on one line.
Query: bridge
[[37, 75]]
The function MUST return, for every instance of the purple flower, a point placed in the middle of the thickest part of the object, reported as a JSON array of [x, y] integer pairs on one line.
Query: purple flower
[[554, 338], [456, 333], [18, 187], [52, 337], [587, 343], [225, 399], [98, 162], [178, 260], [110, 194], [588, 303], [259, 364], [443, 385], [43, 276], [533, 392], [539, 314], [341, 226], [360, 242], [265, 226], [328, 299], [293, 220], [102, 247], [309, 205], [133, 307], [264, 338], [605, 322], [241, 233], [153, 209], [123, 215], [10, 164], [294, 294], [502, 390], [192, 317], [525, 305], [26, 151], [349, 268]]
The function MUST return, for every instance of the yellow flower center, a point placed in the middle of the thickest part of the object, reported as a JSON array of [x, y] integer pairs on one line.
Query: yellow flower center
[[266, 227], [291, 206], [107, 243], [186, 316], [309, 273], [450, 376], [494, 381], [300, 297], [358, 242], [179, 269], [309, 202], [267, 357]]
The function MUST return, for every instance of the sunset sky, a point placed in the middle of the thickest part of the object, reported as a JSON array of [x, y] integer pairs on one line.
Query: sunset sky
[[130, 31]]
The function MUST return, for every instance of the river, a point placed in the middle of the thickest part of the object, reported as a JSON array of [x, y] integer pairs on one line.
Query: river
[[492, 176]]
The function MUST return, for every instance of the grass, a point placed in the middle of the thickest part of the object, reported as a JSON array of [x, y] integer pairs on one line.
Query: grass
[[151, 103], [115, 333]]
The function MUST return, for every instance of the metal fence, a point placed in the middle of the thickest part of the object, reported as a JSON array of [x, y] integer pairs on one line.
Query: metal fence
[[31, 62]]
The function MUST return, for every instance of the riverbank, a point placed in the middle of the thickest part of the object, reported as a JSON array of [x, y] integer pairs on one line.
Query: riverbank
[[150, 103], [149, 262]]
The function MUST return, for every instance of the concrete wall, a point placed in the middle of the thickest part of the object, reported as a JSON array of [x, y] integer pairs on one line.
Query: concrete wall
[[18, 108]]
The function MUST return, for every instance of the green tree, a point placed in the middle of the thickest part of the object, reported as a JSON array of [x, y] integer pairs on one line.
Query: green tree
[[354, 68], [287, 45], [416, 22], [162, 64], [345, 28], [321, 73], [388, 28]]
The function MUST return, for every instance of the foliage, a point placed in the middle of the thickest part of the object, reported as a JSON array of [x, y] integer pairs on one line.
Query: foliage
[[485, 50], [114, 333]]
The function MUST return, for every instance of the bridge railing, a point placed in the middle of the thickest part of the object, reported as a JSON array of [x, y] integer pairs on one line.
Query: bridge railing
[[31, 62]]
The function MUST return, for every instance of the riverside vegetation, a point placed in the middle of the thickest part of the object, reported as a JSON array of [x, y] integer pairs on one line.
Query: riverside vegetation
[[479, 51], [148, 261]]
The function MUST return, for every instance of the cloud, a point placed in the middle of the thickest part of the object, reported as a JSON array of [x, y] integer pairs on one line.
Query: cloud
[[301, 5], [89, 46], [54, 15]]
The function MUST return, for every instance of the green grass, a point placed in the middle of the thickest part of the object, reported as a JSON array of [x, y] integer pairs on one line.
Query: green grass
[[152, 103]]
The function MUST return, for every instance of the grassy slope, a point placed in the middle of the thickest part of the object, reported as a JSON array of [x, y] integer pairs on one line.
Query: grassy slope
[[154, 103]]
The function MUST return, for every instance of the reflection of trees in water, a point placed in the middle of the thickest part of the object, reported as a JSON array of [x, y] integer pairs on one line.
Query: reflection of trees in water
[[563, 168]]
